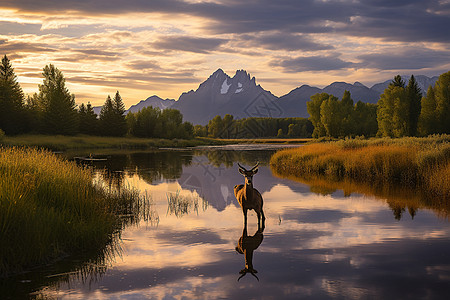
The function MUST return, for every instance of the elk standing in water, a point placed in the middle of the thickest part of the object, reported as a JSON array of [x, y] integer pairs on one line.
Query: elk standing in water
[[246, 245], [249, 197]]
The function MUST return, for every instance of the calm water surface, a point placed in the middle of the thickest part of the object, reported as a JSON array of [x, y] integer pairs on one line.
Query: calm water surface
[[323, 245]]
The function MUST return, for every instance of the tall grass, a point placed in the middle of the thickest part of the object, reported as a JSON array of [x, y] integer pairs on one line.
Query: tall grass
[[180, 205], [50, 207], [414, 162]]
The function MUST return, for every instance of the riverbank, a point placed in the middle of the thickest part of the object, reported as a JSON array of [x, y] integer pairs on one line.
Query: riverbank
[[82, 142], [50, 207], [411, 162], [86, 142]]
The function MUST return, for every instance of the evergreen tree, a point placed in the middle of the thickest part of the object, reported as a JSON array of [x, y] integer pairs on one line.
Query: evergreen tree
[[414, 95], [11, 100], [119, 124], [398, 81], [87, 118], [59, 109], [107, 118]]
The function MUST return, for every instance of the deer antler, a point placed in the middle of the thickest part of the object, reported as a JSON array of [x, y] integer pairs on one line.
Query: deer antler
[[246, 271], [241, 167], [256, 166]]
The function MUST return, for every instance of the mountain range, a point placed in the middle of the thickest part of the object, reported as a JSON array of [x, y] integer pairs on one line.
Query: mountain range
[[241, 97]]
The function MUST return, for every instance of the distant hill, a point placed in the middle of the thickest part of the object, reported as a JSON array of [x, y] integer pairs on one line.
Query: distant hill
[[422, 81], [153, 101], [241, 97]]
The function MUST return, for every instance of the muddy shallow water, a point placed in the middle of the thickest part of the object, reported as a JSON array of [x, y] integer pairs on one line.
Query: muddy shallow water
[[314, 245]]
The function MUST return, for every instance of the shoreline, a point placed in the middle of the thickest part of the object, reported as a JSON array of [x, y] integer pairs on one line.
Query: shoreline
[[86, 142]]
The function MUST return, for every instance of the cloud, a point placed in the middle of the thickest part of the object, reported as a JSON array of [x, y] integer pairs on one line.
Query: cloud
[[284, 41], [402, 20], [189, 44], [144, 65], [409, 59], [14, 47], [312, 63]]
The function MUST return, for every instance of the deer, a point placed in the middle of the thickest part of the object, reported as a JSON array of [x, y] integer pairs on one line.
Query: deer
[[249, 197], [246, 245]]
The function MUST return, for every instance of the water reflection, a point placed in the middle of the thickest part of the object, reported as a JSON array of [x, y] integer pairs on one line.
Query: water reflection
[[401, 200], [321, 241], [247, 245]]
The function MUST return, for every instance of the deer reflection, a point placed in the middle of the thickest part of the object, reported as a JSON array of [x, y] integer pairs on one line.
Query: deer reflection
[[246, 245]]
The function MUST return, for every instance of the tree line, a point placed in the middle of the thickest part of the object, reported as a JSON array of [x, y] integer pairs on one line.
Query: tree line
[[53, 111], [402, 110], [228, 127]]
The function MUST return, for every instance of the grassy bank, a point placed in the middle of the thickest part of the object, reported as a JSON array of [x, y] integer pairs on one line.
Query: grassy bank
[[413, 162], [50, 207], [60, 143], [86, 142]]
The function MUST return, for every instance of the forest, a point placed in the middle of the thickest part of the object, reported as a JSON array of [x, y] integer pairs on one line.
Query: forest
[[402, 110], [53, 111]]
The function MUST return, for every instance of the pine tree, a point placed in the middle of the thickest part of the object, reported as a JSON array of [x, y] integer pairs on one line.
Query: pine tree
[[414, 95], [398, 81], [59, 109], [87, 119], [107, 118], [120, 124], [11, 99]]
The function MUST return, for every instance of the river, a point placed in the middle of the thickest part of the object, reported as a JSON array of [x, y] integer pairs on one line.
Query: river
[[316, 244]]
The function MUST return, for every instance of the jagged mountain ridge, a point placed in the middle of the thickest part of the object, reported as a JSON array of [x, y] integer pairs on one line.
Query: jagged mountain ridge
[[241, 97], [221, 94]]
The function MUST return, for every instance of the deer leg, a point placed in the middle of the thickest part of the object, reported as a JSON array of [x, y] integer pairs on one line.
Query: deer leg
[[245, 217], [263, 219]]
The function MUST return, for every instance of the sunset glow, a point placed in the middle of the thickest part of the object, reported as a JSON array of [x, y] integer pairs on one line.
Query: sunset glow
[[165, 48]]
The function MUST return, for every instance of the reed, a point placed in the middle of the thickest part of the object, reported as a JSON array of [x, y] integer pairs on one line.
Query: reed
[[50, 207], [414, 162], [180, 205]]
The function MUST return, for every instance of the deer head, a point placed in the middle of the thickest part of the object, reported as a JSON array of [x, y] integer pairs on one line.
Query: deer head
[[248, 174]]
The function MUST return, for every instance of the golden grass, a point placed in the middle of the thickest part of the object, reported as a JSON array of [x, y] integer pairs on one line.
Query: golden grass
[[50, 207], [412, 162]]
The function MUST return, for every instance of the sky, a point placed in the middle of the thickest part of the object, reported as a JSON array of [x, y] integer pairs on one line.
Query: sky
[[166, 47]]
